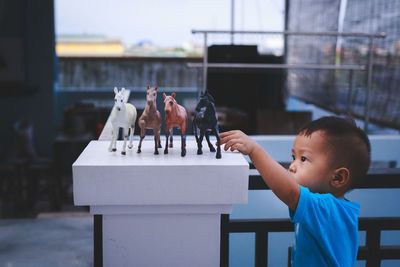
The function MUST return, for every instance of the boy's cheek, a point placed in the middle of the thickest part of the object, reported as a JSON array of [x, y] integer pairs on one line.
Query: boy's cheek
[[299, 178]]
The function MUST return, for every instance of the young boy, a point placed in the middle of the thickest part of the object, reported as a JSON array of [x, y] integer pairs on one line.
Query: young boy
[[330, 156]]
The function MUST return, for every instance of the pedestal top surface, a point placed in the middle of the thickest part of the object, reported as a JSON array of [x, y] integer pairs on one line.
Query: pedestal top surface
[[103, 178], [97, 154]]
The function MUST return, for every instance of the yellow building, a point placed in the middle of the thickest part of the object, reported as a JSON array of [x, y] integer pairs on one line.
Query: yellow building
[[88, 45]]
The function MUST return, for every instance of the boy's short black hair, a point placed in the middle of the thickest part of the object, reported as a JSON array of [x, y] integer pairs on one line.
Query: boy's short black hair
[[351, 146]]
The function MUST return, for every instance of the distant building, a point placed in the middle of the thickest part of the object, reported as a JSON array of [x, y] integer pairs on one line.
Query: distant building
[[146, 48], [88, 45], [99, 45]]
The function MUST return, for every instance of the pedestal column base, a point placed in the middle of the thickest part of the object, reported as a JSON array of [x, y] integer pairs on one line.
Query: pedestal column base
[[180, 235]]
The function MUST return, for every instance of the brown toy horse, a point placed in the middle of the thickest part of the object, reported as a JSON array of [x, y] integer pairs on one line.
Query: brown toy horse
[[150, 119], [175, 116]]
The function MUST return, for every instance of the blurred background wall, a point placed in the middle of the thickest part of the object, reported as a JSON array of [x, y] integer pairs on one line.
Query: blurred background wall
[[27, 65]]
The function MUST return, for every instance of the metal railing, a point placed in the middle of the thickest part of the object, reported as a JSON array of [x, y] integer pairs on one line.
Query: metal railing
[[371, 36], [372, 252]]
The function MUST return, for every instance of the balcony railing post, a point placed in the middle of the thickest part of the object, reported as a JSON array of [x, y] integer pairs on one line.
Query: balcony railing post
[[98, 240], [224, 248], [373, 246], [261, 248]]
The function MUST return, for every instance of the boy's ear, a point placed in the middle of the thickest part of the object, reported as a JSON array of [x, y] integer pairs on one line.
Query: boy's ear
[[340, 178]]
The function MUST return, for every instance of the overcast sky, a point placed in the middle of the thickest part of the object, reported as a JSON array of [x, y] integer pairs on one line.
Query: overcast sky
[[165, 23]]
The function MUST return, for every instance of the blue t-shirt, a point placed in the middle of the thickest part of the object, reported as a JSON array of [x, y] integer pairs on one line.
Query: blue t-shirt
[[326, 230]]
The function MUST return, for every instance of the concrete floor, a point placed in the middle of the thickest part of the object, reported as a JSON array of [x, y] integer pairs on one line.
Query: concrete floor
[[63, 241]]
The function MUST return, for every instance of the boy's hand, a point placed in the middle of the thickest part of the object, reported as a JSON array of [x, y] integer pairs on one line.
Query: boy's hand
[[275, 176], [237, 140]]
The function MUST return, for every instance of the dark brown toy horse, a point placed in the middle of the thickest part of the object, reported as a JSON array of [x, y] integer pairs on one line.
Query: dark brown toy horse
[[150, 119], [175, 116]]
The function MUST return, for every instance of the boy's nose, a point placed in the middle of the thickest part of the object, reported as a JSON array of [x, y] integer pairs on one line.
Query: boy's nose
[[292, 168]]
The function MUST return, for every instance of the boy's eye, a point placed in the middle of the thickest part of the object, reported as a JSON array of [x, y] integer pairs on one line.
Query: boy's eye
[[293, 157], [303, 159]]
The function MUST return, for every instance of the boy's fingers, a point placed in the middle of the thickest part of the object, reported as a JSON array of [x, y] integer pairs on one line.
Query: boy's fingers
[[239, 147], [223, 134], [226, 147], [236, 147], [230, 143], [223, 140], [230, 135], [226, 138]]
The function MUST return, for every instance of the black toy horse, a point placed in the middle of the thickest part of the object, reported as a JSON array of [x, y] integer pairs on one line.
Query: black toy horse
[[206, 120]]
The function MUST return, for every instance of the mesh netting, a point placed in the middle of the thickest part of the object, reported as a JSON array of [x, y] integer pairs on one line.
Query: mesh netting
[[342, 91]]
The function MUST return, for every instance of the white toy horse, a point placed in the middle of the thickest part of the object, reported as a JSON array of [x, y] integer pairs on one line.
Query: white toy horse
[[123, 115]]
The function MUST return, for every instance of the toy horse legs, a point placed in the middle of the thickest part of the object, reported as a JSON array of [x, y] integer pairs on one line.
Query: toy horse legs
[[113, 143], [216, 132], [140, 144], [212, 149], [199, 142], [157, 141], [131, 130], [155, 145], [183, 139], [183, 145], [167, 133], [125, 133], [142, 135], [171, 134]]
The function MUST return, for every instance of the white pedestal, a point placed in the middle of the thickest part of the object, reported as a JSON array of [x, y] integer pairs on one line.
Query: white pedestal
[[159, 210]]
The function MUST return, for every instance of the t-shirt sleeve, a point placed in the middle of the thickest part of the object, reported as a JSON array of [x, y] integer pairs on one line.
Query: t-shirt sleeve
[[312, 209], [300, 205]]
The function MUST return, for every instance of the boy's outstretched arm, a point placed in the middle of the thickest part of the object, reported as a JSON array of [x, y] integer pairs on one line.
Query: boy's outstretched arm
[[281, 182]]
